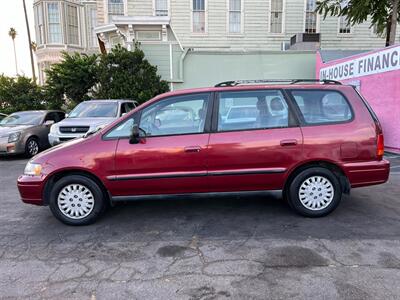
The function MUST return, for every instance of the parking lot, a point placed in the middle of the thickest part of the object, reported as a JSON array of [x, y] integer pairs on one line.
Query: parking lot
[[238, 248]]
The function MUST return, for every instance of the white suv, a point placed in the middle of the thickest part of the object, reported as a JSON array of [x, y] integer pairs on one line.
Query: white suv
[[87, 116]]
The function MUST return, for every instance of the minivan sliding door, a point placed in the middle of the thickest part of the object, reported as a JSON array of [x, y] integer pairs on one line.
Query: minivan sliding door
[[255, 140]]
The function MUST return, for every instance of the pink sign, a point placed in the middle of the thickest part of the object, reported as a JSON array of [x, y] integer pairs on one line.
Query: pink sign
[[377, 76]]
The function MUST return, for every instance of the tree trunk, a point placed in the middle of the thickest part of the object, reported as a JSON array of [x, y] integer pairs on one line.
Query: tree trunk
[[30, 43], [15, 58], [393, 26], [388, 27]]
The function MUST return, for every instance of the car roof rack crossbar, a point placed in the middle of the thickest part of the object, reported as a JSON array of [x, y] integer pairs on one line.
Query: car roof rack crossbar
[[289, 81], [324, 81]]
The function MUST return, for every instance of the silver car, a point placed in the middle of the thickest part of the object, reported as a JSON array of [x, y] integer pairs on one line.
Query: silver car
[[26, 132], [88, 116], [2, 116]]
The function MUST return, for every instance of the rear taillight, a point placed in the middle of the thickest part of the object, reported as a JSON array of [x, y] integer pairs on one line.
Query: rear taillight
[[380, 145]]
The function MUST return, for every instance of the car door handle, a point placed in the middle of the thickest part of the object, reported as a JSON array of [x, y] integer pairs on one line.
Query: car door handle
[[291, 142], [193, 149]]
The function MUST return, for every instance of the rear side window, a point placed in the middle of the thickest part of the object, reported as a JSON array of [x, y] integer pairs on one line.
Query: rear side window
[[52, 117], [322, 106], [61, 116], [246, 110]]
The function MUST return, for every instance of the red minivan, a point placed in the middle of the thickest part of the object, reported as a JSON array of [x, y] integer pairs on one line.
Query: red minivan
[[311, 140]]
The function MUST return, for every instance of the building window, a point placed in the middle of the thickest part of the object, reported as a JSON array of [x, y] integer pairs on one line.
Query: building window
[[55, 33], [148, 35], [344, 26], [276, 18], [39, 24], [115, 8], [199, 16], [235, 16], [161, 7], [92, 24], [310, 25], [73, 26]]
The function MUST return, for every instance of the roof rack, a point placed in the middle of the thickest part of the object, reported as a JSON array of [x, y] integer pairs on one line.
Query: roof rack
[[288, 81]]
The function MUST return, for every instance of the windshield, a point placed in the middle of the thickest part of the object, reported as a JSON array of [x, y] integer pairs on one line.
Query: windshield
[[23, 118], [94, 110]]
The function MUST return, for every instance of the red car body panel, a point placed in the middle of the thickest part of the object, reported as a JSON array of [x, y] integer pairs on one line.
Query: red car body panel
[[169, 160], [217, 161], [252, 159]]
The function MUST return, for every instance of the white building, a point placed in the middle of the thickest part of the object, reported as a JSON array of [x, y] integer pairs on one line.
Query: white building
[[168, 29]]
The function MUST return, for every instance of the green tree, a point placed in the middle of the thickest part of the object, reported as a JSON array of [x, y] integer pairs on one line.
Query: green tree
[[384, 13], [72, 79], [124, 74], [20, 93]]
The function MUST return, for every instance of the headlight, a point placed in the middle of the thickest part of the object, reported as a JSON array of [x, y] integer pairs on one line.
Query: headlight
[[33, 169], [53, 129], [13, 137]]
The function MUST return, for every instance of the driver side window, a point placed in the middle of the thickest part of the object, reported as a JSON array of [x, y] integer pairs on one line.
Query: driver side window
[[123, 130], [177, 115]]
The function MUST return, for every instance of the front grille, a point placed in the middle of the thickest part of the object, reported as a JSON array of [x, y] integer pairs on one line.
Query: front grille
[[65, 139], [74, 129]]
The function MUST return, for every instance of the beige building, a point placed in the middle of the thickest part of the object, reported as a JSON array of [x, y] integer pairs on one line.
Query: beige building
[[169, 29]]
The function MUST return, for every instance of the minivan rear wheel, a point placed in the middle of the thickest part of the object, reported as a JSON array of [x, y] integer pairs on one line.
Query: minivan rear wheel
[[77, 200], [314, 192]]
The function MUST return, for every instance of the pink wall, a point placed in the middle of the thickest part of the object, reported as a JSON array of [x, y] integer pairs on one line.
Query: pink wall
[[382, 92]]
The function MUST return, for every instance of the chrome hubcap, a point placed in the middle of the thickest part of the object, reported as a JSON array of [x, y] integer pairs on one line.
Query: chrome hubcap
[[316, 193], [33, 147], [75, 201]]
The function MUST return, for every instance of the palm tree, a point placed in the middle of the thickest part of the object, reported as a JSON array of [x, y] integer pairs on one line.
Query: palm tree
[[30, 43], [13, 33], [34, 46]]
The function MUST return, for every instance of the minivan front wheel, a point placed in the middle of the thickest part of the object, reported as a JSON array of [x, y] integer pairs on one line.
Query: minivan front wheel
[[314, 192], [77, 200]]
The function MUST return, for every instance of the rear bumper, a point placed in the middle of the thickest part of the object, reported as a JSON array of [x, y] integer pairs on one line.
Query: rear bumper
[[31, 189], [367, 173]]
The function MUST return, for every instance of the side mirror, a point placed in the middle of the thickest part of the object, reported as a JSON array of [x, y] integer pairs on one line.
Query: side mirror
[[135, 135], [49, 123]]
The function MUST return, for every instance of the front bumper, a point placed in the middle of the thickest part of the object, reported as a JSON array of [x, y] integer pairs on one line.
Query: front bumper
[[367, 173], [55, 139], [7, 148], [31, 189]]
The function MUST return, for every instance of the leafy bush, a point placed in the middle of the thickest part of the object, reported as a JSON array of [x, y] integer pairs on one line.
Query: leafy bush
[[71, 80], [119, 74], [124, 74], [20, 93]]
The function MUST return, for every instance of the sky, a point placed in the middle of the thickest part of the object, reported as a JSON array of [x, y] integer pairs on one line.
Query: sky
[[12, 15]]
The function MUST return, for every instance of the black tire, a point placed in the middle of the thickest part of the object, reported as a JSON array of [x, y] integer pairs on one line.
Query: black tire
[[294, 186], [99, 199], [31, 150]]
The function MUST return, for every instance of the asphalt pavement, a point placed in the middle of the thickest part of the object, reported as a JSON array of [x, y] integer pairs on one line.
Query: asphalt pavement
[[225, 248]]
